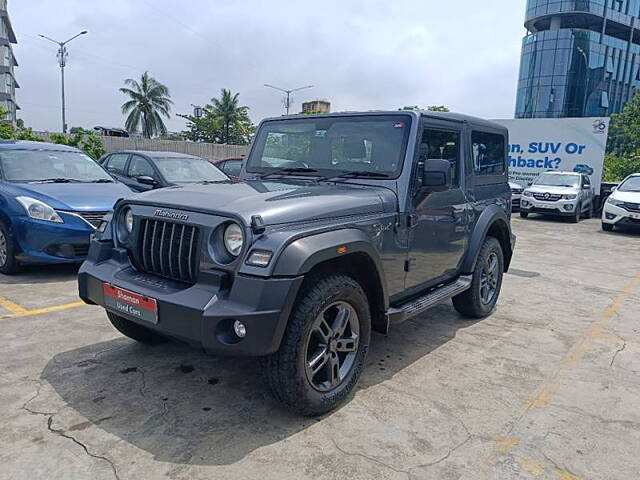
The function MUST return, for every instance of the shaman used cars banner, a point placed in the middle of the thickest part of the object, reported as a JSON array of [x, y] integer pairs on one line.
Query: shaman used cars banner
[[560, 144]]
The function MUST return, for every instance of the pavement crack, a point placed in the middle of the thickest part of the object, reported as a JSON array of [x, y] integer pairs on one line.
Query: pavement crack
[[613, 359], [367, 457], [445, 456], [63, 434]]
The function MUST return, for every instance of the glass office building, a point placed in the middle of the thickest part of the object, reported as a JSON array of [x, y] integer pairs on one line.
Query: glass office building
[[580, 58]]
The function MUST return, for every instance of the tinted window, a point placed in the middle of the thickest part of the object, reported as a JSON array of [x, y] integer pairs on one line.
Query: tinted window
[[489, 154], [443, 145], [140, 167], [232, 167], [116, 163]]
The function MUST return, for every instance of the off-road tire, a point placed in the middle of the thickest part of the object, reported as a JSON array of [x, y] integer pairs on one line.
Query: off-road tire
[[10, 265], [285, 369], [134, 331], [524, 214], [469, 302], [607, 227]]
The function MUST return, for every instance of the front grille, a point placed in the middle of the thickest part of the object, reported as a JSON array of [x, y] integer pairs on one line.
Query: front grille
[[547, 197], [632, 207], [168, 249], [517, 191], [94, 218]]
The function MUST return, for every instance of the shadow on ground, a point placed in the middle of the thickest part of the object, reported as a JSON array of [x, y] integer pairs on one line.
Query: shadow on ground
[[42, 274], [183, 406]]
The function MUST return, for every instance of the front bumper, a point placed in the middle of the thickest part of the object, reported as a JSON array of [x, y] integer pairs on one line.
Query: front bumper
[[559, 207], [516, 198], [616, 215], [200, 314], [41, 242]]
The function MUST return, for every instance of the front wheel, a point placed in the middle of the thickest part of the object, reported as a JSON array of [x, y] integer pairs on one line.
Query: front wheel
[[481, 298], [575, 218], [8, 262], [524, 214], [324, 346]]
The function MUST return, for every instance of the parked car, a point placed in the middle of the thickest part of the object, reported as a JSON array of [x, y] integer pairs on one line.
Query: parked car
[[300, 263], [565, 194], [52, 198], [231, 166], [516, 194], [142, 170], [582, 168], [110, 131], [623, 205]]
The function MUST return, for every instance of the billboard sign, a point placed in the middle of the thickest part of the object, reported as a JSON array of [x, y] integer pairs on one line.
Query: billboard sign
[[561, 144]]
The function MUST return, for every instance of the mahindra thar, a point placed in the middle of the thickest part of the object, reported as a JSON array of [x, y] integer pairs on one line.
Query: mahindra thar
[[340, 225]]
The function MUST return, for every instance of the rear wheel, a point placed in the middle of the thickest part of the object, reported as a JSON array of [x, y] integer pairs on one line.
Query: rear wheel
[[8, 262], [524, 214], [607, 227], [481, 298], [134, 331], [324, 346]]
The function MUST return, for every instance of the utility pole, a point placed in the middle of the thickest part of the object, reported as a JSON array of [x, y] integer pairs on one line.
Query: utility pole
[[287, 100], [62, 61]]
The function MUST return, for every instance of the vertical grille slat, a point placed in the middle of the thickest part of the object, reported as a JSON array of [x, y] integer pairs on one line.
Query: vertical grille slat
[[168, 249]]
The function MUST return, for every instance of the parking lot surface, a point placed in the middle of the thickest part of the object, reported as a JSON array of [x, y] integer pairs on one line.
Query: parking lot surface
[[547, 387]]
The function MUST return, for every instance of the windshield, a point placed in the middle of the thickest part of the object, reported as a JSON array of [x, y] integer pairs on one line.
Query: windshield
[[631, 184], [189, 170], [328, 145], [42, 165], [555, 180]]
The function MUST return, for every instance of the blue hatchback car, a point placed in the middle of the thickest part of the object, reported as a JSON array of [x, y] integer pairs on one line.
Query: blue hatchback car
[[52, 198]]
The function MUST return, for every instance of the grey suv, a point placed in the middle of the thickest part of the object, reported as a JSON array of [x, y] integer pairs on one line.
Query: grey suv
[[368, 219]]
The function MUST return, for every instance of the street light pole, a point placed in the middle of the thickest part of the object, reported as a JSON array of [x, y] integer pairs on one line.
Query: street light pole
[[586, 85], [62, 61], [287, 101]]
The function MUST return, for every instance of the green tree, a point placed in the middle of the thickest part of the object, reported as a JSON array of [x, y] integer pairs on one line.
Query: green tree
[[623, 145], [89, 143], [222, 121], [149, 102]]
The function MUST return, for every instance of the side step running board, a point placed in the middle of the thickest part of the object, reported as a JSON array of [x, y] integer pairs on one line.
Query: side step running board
[[434, 297]]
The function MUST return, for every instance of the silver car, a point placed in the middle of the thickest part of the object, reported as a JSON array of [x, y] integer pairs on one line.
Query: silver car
[[516, 194], [566, 194]]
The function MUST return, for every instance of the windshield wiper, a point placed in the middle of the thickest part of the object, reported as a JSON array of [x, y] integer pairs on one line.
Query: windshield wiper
[[100, 180], [57, 180], [288, 170], [355, 174], [209, 182]]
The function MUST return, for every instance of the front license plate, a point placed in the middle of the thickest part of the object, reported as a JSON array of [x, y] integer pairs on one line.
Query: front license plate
[[130, 303], [551, 207]]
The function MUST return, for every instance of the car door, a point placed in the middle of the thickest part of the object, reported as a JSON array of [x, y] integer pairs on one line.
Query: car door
[[587, 193], [439, 221], [140, 167], [116, 165]]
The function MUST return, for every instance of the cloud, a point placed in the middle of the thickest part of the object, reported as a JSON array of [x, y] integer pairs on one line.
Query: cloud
[[358, 54]]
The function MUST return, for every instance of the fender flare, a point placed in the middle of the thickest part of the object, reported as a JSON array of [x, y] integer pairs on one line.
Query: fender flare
[[301, 255], [487, 218]]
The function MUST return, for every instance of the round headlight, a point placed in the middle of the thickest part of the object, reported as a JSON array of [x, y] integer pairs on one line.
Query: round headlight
[[128, 220], [233, 239]]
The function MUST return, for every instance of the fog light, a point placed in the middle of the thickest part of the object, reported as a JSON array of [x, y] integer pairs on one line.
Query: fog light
[[610, 216], [239, 328], [568, 208]]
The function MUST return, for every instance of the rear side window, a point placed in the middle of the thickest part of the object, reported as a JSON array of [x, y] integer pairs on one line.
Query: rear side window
[[489, 153], [116, 162]]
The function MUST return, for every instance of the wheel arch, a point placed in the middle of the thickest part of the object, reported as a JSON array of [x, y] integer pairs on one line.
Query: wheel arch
[[493, 222]]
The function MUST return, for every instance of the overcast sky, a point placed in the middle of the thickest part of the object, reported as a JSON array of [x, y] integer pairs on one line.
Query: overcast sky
[[359, 54]]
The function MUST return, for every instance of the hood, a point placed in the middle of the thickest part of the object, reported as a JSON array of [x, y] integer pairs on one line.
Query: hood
[[553, 189], [276, 201], [80, 197], [630, 197]]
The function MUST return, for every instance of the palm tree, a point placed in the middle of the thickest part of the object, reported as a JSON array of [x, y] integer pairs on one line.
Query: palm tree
[[226, 110], [150, 100]]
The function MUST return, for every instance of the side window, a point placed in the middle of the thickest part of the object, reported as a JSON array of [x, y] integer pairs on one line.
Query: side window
[[488, 153], [140, 167], [444, 145], [232, 167], [116, 162]]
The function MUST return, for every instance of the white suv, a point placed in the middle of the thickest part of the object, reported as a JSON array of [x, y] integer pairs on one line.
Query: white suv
[[623, 205], [566, 194]]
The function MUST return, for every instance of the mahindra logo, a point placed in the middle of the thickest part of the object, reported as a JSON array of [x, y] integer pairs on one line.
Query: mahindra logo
[[173, 215]]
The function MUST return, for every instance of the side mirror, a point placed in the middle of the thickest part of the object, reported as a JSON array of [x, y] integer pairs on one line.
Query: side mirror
[[436, 175], [146, 180]]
